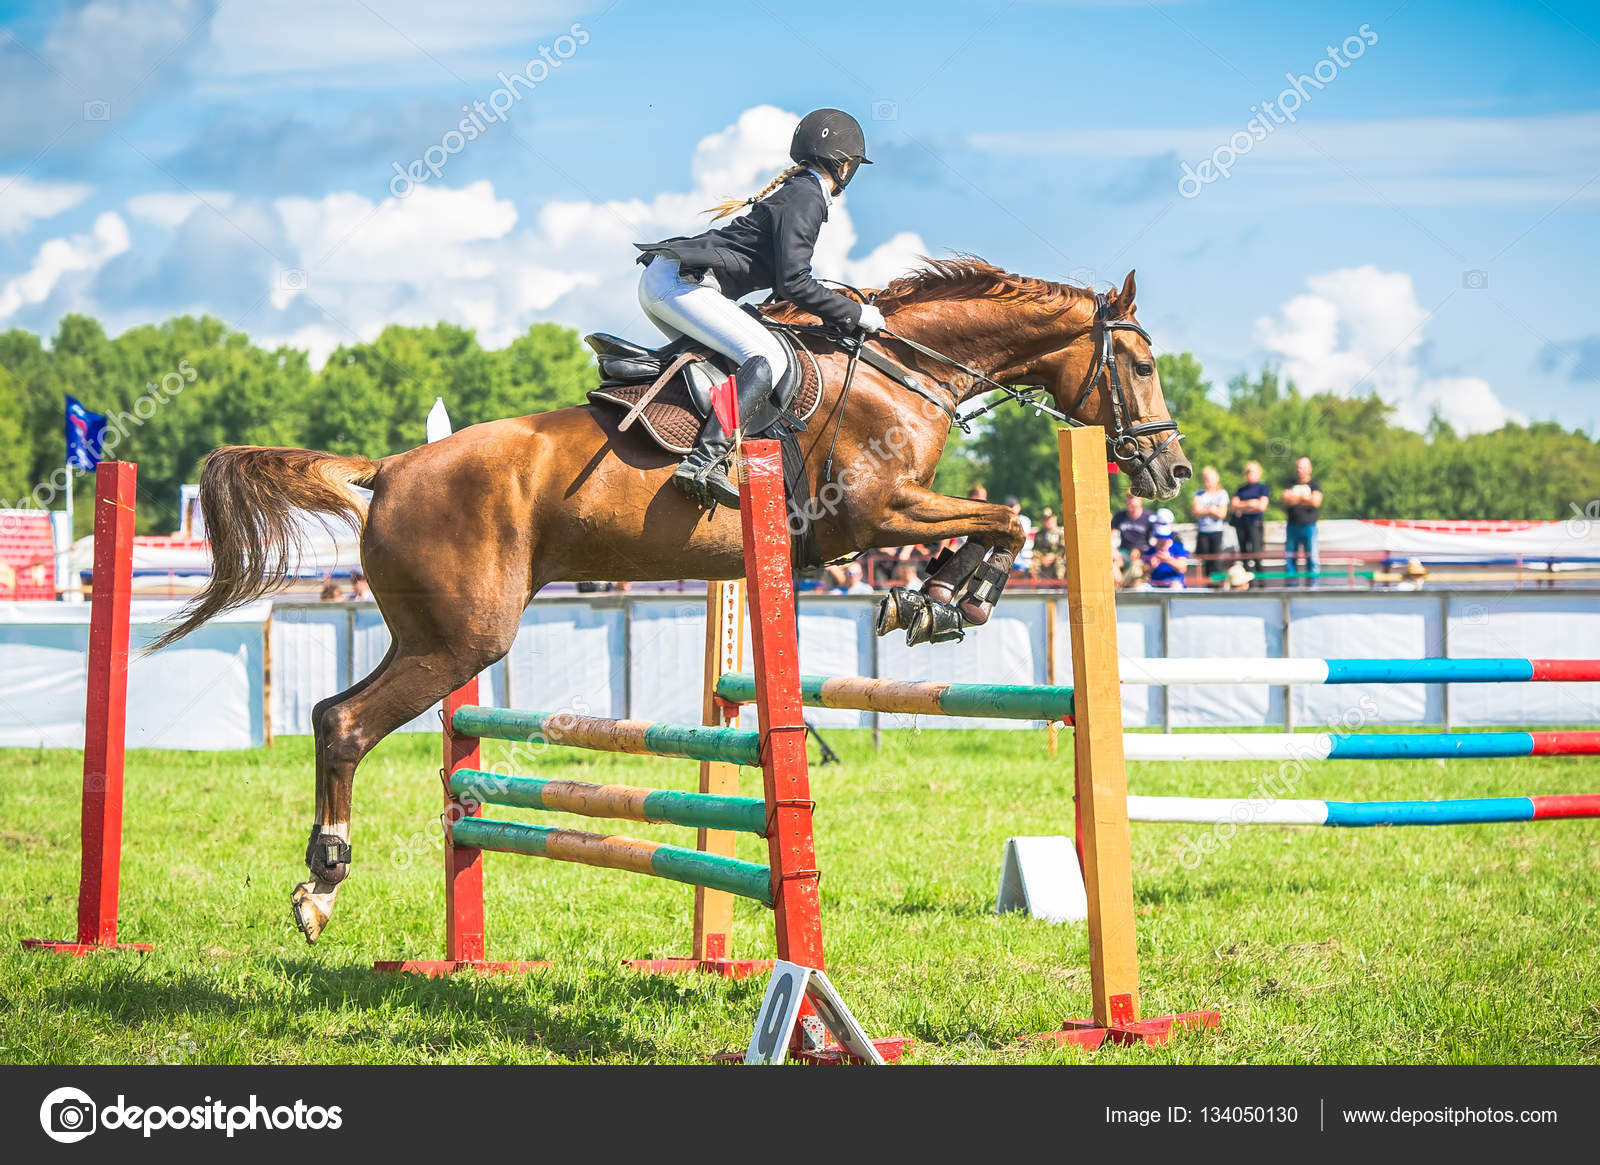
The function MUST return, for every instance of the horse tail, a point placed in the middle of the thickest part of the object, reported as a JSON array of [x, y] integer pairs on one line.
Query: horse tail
[[250, 498]]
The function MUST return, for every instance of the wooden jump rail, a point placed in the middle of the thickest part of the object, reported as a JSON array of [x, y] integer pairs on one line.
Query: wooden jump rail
[[737, 746], [624, 802], [916, 698], [698, 810]]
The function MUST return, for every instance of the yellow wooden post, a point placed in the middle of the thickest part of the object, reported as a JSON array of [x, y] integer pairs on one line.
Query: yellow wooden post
[[713, 909], [1054, 727], [1102, 784]]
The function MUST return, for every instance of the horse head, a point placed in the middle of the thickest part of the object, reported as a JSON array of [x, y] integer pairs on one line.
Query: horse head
[[1086, 349]]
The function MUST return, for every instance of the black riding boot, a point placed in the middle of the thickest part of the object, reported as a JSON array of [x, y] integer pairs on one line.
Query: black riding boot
[[703, 476]]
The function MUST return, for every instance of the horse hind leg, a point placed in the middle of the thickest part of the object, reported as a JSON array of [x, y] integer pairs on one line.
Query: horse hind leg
[[348, 726]]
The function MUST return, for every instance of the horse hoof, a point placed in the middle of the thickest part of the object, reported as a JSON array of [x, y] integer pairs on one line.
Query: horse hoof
[[935, 623], [947, 623], [311, 907], [898, 609]]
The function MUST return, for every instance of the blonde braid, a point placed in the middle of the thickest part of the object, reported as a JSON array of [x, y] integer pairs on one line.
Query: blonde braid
[[733, 205]]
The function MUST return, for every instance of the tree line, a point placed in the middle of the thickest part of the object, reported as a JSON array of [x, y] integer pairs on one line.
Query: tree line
[[177, 390]]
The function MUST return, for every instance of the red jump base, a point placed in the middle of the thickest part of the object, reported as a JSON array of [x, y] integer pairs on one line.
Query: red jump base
[[437, 968], [66, 947], [727, 968], [1124, 1029]]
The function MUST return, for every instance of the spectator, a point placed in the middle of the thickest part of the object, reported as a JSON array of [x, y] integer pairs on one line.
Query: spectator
[[1302, 498], [1049, 548], [1238, 578], [855, 581], [1167, 558], [1210, 514], [1132, 525], [360, 592], [1249, 506], [1024, 559], [330, 590], [904, 574]]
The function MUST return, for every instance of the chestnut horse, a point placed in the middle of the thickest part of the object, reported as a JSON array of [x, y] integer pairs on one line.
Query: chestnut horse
[[460, 535]]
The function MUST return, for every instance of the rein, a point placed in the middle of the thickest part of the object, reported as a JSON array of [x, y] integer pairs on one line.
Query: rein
[[1122, 442]]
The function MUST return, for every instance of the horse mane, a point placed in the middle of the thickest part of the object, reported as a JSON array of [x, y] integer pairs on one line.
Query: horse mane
[[960, 277], [969, 277]]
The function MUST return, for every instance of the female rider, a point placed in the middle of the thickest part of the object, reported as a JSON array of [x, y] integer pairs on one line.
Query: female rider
[[690, 284]]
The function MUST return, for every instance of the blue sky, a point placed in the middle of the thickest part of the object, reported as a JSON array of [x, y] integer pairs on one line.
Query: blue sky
[[1425, 226]]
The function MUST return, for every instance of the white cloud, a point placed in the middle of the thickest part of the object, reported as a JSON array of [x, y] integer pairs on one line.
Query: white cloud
[[171, 210], [1415, 161], [464, 255], [268, 37], [113, 54], [60, 259], [1359, 330], [24, 202]]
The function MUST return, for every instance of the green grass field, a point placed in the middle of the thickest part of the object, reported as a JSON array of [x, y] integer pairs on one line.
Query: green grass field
[[1428, 945]]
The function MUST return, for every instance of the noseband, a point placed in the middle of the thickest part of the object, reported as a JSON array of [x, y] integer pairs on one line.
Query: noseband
[[1122, 442]]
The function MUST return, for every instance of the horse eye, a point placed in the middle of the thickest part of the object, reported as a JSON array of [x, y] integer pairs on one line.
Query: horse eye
[[1144, 369]]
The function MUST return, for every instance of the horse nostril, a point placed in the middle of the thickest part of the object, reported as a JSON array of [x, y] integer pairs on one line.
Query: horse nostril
[[1183, 472]]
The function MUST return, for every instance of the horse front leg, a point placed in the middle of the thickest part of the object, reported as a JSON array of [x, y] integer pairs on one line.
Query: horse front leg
[[935, 614]]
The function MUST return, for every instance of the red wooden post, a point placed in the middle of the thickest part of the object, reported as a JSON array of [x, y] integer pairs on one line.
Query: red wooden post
[[785, 772], [463, 866], [105, 715], [774, 653], [465, 948]]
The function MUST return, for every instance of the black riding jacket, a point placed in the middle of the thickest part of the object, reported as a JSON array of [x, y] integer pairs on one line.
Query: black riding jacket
[[770, 247]]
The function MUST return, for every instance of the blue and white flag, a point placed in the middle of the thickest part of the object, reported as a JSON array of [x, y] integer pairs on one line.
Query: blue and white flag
[[85, 433]]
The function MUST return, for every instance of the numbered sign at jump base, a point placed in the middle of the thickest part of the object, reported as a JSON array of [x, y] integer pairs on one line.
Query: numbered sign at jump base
[[790, 986]]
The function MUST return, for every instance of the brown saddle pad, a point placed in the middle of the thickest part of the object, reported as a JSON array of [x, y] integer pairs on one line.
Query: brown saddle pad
[[670, 419]]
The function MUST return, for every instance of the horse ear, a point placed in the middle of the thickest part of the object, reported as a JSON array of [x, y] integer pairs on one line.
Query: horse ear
[[1126, 296]]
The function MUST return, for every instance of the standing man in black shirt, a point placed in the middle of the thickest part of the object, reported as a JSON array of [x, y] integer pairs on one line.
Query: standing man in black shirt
[[1133, 526], [1302, 499], [1249, 508]]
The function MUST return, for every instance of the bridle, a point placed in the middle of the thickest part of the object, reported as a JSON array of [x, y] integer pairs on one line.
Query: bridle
[[1122, 442]]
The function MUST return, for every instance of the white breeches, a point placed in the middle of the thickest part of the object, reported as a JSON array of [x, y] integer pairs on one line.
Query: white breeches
[[681, 306]]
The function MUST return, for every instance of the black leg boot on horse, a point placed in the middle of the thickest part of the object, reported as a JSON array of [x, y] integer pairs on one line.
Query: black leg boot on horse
[[703, 476], [929, 615]]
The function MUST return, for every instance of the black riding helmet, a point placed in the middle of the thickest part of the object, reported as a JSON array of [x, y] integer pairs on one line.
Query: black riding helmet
[[831, 137]]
